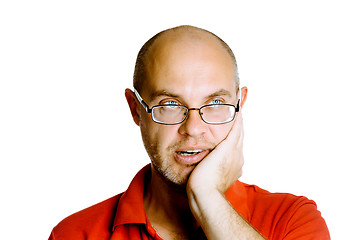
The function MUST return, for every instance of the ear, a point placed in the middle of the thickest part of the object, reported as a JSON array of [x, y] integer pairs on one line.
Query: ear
[[133, 105], [244, 91]]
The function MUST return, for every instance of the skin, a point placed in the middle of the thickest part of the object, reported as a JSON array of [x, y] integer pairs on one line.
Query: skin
[[187, 201]]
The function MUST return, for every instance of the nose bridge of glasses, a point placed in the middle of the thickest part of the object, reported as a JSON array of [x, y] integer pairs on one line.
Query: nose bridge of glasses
[[194, 109], [189, 109]]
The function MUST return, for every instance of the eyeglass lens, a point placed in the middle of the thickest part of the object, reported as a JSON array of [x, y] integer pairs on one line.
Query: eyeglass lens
[[211, 114]]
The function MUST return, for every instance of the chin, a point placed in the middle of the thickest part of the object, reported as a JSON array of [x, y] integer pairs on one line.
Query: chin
[[177, 179]]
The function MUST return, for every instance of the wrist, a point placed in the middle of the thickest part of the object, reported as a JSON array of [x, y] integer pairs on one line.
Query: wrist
[[205, 196], [200, 192]]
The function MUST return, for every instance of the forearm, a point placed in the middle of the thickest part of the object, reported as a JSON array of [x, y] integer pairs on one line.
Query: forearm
[[218, 219]]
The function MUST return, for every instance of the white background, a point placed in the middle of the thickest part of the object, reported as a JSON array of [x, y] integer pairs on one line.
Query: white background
[[67, 140]]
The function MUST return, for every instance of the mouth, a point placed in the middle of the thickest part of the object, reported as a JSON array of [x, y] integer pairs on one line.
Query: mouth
[[189, 152], [190, 156]]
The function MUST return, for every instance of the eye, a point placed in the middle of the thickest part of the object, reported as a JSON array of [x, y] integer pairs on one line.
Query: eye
[[216, 101], [170, 102]]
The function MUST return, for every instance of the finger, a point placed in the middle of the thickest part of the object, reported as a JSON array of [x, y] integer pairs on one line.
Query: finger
[[236, 131], [235, 134]]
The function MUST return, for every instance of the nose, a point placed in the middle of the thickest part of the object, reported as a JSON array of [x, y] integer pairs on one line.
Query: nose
[[193, 125]]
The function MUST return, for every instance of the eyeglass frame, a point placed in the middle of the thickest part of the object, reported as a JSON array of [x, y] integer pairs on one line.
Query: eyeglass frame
[[150, 110]]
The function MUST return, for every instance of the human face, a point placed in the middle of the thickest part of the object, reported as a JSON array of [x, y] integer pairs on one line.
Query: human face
[[191, 73]]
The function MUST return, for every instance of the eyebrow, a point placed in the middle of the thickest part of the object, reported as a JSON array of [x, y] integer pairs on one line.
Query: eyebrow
[[221, 92], [163, 93]]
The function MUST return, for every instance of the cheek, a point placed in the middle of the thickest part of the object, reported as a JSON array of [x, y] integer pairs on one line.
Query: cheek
[[165, 135], [156, 134], [147, 133], [220, 132]]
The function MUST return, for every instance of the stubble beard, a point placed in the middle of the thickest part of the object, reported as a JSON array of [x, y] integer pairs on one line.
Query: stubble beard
[[162, 163], [164, 166]]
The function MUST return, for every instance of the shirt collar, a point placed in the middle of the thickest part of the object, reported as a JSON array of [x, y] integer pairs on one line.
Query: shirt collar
[[130, 207]]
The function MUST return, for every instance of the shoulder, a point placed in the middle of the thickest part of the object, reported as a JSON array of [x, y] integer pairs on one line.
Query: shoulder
[[94, 220], [279, 214], [258, 196], [277, 205]]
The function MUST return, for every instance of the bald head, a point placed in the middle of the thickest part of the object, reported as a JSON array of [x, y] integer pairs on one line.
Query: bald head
[[182, 38]]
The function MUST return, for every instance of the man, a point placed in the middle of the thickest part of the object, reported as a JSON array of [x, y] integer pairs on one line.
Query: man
[[187, 103]]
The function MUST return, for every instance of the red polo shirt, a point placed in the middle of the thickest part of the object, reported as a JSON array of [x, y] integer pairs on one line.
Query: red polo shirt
[[275, 215]]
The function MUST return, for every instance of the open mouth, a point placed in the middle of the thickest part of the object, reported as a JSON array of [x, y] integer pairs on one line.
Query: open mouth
[[190, 156], [189, 152]]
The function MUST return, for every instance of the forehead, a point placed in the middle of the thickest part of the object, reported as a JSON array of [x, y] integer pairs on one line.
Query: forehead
[[189, 66]]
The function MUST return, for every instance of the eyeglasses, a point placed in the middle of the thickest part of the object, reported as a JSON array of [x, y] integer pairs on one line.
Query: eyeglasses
[[171, 114]]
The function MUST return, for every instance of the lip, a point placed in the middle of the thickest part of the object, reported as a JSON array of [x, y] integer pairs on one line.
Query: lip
[[192, 159], [202, 147]]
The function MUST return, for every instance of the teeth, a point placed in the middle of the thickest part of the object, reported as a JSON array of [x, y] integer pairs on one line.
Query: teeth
[[190, 152]]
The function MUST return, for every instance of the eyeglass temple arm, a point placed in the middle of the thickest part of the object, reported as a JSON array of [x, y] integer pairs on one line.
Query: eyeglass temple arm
[[237, 106], [149, 110], [139, 98]]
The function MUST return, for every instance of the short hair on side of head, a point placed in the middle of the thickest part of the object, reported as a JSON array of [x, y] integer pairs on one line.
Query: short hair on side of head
[[140, 65]]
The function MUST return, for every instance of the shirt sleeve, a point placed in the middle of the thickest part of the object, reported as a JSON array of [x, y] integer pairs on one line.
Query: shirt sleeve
[[306, 222], [52, 237]]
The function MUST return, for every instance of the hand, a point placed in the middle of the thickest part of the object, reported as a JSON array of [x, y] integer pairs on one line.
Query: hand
[[208, 183], [222, 166]]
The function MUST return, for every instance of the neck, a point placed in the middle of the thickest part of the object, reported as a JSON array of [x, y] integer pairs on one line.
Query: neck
[[167, 206]]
